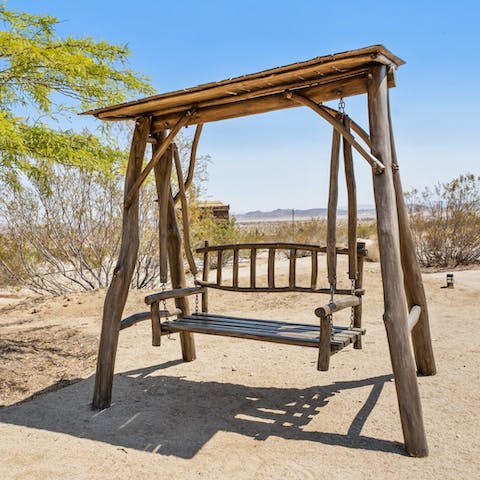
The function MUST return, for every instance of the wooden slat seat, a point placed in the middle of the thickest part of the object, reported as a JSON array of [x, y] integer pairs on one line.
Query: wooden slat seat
[[265, 330]]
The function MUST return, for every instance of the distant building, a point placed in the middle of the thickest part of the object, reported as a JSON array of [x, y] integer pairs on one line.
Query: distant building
[[216, 209]]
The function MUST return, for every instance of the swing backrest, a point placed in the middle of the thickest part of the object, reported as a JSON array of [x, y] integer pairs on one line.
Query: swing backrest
[[218, 254]]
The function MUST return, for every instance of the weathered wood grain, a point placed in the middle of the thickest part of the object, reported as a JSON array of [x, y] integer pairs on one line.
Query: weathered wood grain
[[175, 257], [159, 152], [375, 163], [332, 210], [413, 283], [414, 316], [156, 328], [163, 174], [324, 349], [117, 293], [352, 204], [395, 316], [185, 220], [357, 311], [337, 305], [193, 159], [175, 293]]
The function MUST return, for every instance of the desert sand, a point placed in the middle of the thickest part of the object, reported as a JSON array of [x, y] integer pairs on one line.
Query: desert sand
[[243, 409]]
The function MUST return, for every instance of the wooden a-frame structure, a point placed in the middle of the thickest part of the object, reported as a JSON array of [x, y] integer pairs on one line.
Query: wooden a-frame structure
[[159, 118]]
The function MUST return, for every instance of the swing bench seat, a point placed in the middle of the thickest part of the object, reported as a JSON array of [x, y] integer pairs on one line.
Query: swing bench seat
[[322, 334], [303, 335]]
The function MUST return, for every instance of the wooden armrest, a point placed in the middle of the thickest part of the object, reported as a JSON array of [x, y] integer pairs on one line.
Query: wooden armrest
[[176, 293], [339, 304]]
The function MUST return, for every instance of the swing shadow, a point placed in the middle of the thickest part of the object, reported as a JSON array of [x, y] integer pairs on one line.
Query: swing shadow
[[176, 416]]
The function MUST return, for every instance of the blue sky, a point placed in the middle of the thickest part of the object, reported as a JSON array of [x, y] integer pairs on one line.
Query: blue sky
[[182, 44]]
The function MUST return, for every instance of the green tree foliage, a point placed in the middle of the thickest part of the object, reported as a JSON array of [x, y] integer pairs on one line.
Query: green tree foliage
[[43, 80]]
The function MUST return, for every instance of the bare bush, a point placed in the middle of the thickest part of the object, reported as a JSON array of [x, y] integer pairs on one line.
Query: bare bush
[[64, 235], [445, 222], [66, 238]]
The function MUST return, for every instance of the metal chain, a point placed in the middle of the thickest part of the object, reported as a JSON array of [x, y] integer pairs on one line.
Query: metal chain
[[196, 295], [333, 287], [341, 106], [352, 310], [164, 302]]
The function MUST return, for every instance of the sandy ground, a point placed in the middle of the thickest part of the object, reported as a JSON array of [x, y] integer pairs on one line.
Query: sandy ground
[[243, 409]]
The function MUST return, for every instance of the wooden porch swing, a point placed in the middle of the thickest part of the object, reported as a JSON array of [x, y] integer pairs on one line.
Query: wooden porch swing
[[369, 70]]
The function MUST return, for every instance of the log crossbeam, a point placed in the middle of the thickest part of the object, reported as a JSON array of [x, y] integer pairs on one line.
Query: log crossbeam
[[156, 157], [191, 165], [377, 165]]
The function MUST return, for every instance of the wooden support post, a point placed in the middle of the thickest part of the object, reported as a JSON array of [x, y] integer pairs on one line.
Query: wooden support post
[[156, 328], [395, 316], [235, 267], [163, 172], [271, 268], [314, 275], [324, 348], [175, 257], [352, 205], [414, 289], [118, 290], [219, 266], [185, 220], [292, 271], [357, 311], [332, 210], [253, 267]]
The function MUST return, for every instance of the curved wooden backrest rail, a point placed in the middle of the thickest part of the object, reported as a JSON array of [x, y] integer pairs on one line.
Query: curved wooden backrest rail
[[283, 289], [280, 246]]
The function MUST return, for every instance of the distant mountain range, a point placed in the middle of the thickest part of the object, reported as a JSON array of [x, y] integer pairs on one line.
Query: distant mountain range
[[286, 213]]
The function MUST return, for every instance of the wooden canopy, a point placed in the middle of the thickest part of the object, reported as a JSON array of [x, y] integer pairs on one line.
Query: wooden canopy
[[321, 79]]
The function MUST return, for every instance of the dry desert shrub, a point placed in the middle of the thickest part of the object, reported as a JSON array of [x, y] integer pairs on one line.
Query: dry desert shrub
[[445, 222]]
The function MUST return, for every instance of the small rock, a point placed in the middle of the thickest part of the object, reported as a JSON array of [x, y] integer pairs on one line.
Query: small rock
[[234, 369]]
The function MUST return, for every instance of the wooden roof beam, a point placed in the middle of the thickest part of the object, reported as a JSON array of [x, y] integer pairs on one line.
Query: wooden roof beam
[[355, 85]]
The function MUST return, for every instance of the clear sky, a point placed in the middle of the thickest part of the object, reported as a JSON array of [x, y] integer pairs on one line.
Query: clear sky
[[280, 159]]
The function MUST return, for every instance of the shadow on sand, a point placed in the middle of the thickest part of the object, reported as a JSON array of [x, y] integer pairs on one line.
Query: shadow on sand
[[175, 416]]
